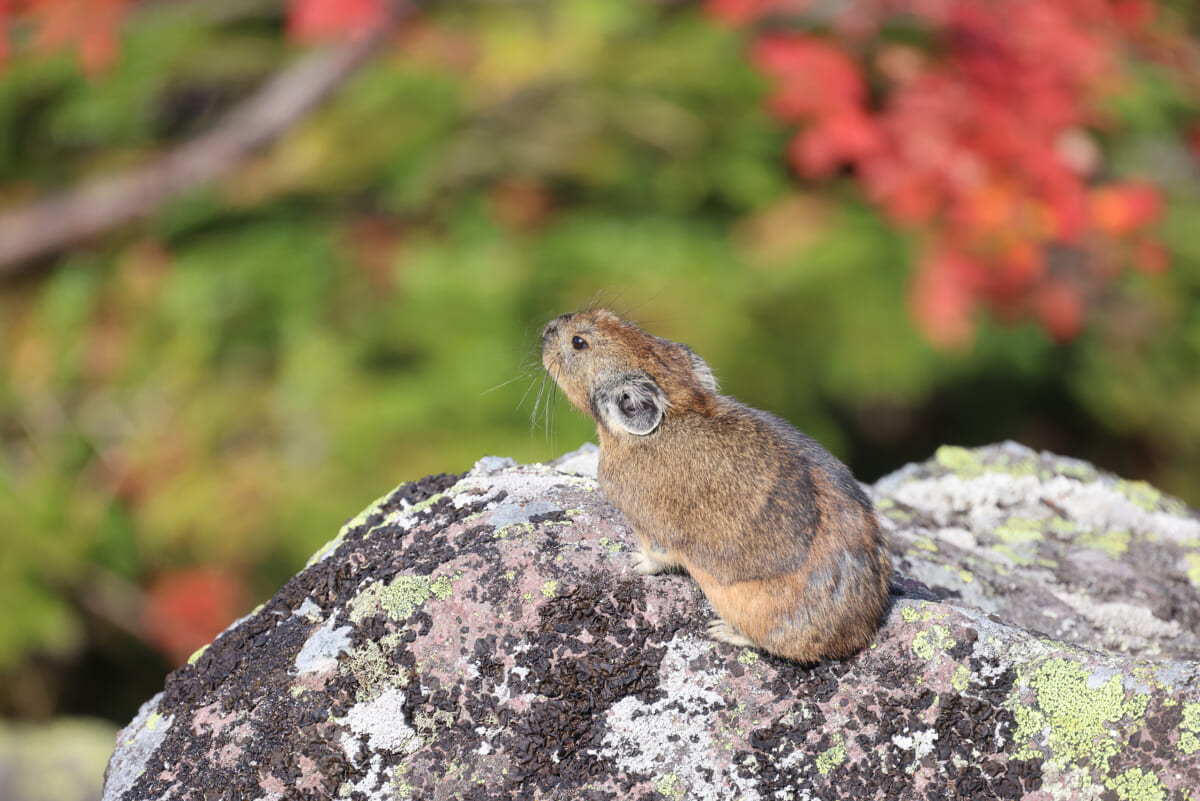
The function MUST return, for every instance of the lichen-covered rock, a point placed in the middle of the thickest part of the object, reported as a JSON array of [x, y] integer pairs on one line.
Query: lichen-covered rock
[[483, 636], [1052, 545]]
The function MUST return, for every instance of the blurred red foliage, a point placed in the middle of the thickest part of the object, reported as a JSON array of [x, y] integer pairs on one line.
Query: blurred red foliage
[[91, 27], [186, 608], [314, 20], [88, 26], [977, 135]]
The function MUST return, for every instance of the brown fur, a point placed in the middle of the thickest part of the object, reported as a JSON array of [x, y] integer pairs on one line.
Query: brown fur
[[774, 529]]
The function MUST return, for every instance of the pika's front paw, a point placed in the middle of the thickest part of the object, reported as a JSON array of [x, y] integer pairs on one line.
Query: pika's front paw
[[644, 562], [721, 631]]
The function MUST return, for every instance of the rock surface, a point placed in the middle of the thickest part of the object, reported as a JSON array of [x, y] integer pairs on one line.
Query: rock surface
[[483, 636]]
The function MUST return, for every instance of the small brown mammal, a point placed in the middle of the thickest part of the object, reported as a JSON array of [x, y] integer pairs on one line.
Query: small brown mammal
[[776, 531]]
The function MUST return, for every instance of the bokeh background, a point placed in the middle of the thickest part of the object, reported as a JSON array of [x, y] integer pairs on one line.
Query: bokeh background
[[897, 223]]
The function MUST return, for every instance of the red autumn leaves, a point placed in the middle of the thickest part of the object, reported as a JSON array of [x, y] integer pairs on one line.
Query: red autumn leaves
[[981, 137], [312, 20], [90, 28], [974, 123]]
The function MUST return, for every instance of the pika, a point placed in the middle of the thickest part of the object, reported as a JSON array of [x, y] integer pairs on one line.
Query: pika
[[776, 531]]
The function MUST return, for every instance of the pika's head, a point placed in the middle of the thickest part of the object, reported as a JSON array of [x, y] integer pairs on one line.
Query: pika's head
[[627, 380]]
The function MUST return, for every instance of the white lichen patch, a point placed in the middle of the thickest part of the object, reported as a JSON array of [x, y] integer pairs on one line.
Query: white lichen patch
[[585, 461], [320, 651], [1124, 624], [309, 609], [383, 723], [136, 744], [526, 484], [920, 744], [634, 741]]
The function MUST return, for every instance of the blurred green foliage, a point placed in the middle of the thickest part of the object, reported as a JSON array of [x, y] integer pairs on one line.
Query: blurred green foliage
[[359, 304]]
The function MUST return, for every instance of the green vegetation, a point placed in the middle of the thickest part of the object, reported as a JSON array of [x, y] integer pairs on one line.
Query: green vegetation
[[360, 304]]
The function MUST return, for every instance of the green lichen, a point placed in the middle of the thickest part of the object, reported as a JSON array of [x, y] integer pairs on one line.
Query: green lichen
[[1017, 541], [510, 576], [399, 599], [576, 482], [362, 516], [1147, 497], [748, 657], [420, 506], [959, 461], [195, 657], [1020, 530], [357, 521], [1193, 573], [333, 544], [1060, 525], [1137, 785], [922, 612], [1189, 729], [1139, 493], [833, 756], [427, 723], [549, 588], [1147, 673], [961, 680], [152, 721], [924, 544], [672, 786], [371, 668], [1074, 718], [926, 644], [1027, 467], [443, 586], [526, 530], [1074, 470], [1113, 543], [1029, 722], [610, 545]]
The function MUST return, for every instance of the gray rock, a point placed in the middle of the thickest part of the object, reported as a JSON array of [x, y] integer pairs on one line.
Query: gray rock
[[59, 760], [483, 636], [1052, 545]]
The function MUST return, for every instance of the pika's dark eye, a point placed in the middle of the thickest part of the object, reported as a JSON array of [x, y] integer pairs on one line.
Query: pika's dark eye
[[579, 343]]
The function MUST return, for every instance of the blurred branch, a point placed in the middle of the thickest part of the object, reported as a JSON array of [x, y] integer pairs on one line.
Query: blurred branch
[[109, 597], [50, 225]]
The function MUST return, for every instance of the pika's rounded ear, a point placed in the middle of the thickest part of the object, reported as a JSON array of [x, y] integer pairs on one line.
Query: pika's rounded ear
[[632, 402], [700, 367]]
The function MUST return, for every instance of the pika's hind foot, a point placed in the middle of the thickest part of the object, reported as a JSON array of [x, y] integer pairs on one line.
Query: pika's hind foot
[[721, 631], [645, 561]]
